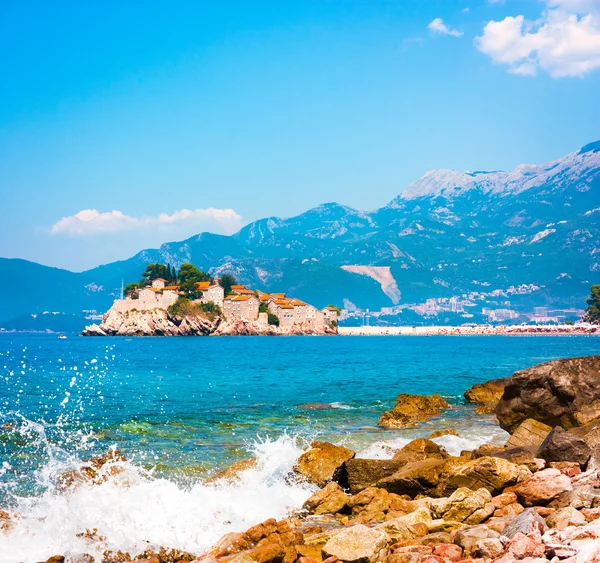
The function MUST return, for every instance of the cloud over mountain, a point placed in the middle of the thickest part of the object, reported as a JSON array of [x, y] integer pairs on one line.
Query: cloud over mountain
[[564, 42], [93, 222]]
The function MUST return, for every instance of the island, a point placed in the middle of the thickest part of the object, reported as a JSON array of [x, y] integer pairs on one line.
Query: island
[[193, 303]]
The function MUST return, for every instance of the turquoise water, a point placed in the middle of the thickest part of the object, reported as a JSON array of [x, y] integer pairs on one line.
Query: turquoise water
[[182, 408], [190, 405]]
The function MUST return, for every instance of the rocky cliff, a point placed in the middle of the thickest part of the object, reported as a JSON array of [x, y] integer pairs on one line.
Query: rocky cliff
[[160, 322]]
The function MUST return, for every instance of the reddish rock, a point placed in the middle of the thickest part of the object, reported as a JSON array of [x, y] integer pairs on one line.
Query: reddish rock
[[448, 551], [542, 487], [530, 545], [504, 499]]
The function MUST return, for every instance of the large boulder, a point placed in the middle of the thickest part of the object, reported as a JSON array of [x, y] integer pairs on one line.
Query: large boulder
[[561, 445], [357, 544], [559, 393], [486, 394], [491, 473], [324, 462], [410, 409], [364, 473], [542, 487], [530, 432], [436, 477]]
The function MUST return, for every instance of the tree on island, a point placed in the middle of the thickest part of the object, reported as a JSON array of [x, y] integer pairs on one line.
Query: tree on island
[[592, 313], [226, 281], [189, 276], [338, 309], [155, 271]]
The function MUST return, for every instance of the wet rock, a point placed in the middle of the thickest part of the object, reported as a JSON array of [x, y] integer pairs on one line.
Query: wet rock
[[323, 462], [414, 478], [267, 553], [530, 432], [78, 558], [232, 472], [561, 445], [542, 487], [565, 517], [328, 500], [95, 470], [525, 523], [420, 449], [486, 394], [444, 432], [410, 409], [560, 393], [357, 544], [363, 473]]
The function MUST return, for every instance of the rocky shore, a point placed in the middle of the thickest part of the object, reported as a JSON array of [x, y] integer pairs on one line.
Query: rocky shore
[[160, 322], [534, 500]]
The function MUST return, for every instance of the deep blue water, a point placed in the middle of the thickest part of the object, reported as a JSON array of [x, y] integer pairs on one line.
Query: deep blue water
[[189, 405]]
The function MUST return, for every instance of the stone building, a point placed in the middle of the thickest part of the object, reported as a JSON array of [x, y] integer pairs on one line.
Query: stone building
[[211, 292], [241, 306]]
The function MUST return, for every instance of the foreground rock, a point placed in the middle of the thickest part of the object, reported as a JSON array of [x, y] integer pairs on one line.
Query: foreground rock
[[561, 445], [358, 544], [324, 462], [560, 393], [410, 409]]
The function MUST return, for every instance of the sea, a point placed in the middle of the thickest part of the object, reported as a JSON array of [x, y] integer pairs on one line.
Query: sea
[[181, 409]]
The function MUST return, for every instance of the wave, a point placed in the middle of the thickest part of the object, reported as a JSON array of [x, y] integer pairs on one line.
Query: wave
[[133, 511]]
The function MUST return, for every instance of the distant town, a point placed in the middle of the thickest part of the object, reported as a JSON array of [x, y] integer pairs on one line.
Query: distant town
[[475, 307]]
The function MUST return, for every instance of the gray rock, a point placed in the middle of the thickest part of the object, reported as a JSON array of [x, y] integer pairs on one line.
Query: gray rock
[[364, 473], [561, 445], [78, 558], [524, 523]]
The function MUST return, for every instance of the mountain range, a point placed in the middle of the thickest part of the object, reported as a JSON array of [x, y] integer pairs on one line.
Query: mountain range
[[447, 234]]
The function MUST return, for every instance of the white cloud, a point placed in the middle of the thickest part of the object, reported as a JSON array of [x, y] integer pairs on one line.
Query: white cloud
[[92, 222], [465, 10], [438, 26], [561, 42]]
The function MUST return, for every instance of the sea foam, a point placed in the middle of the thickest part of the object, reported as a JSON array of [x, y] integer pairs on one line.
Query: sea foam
[[134, 511]]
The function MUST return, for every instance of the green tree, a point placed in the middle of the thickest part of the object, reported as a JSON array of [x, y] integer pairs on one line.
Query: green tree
[[226, 281], [190, 289], [131, 290], [592, 313], [155, 271], [189, 272], [273, 319]]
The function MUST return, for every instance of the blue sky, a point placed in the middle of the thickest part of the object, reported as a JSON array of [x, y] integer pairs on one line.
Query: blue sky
[[124, 125]]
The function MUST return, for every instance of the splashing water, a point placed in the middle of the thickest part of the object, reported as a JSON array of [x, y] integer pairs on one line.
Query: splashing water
[[133, 511]]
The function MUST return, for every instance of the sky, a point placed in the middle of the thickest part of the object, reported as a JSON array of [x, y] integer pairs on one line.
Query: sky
[[124, 125]]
